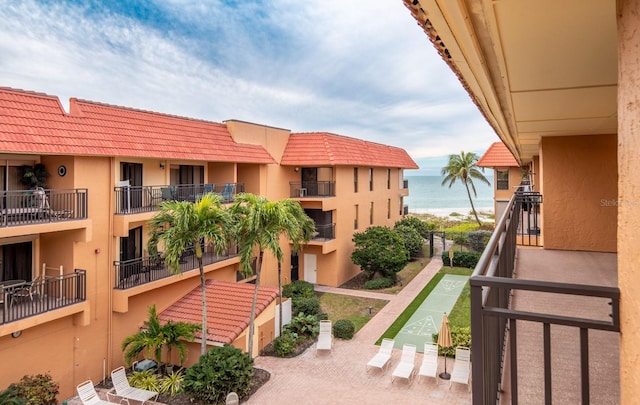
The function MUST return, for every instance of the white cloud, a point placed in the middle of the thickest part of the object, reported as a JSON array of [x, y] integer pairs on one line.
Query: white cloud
[[359, 68]]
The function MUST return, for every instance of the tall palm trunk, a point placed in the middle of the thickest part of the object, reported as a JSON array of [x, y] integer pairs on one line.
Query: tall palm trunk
[[203, 288], [473, 208], [280, 296], [254, 303]]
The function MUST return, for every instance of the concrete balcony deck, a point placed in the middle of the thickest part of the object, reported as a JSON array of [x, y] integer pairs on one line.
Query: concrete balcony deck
[[591, 268]]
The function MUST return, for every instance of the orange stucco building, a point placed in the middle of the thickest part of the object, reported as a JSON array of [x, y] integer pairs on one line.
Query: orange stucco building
[[558, 83], [78, 243]]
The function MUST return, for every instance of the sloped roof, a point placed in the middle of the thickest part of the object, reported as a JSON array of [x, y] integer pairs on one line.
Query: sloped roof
[[228, 308], [497, 156], [36, 123], [322, 148]]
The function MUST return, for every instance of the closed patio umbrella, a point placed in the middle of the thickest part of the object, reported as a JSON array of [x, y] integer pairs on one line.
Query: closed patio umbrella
[[444, 341]]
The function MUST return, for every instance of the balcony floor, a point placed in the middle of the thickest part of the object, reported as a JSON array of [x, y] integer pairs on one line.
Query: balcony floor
[[590, 268]]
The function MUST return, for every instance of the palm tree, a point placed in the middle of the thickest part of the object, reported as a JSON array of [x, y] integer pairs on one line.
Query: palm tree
[[183, 224], [154, 336], [463, 167], [259, 223]]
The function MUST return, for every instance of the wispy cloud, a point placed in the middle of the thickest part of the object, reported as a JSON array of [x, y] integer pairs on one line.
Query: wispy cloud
[[358, 68]]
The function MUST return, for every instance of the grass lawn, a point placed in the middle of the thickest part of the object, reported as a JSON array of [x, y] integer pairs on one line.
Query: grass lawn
[[460, 314], [356, 309]]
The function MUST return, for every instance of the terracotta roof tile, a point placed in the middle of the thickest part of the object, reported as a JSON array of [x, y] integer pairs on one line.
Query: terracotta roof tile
[[322, 148], [228, 308], [35, 122], [497, 156]]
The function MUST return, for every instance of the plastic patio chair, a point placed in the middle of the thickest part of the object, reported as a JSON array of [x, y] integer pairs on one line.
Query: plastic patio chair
[[429, 366], [125, 391], [462, 367], [88, 395], [406, 368], [325, 337], [382, 359]]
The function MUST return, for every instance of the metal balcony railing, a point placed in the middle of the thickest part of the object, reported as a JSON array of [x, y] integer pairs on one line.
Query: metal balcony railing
[[21, 301], [143, 270], [28, 207], [494, 322], [312, 189], [137, 199], [325, 231]]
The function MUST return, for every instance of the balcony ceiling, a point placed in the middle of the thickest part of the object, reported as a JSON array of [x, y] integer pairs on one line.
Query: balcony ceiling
[[534, 67]]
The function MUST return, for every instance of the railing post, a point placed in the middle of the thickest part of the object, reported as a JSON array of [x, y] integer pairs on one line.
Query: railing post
[[477, 361]]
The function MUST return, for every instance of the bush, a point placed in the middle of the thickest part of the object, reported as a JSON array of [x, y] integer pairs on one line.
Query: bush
[[172, 384], [416, 223], [284, 344], [10, 397], [147, 380], [307, 305], [344, 329], [379, 283], [478, 240], [37, 389], [218, 372], [298, 288], [322, 316], [460, 336], [307, 326], [413, 242], [462, 259]]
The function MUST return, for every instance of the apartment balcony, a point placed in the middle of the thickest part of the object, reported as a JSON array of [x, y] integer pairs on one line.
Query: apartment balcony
[[545, 323], [325, 238], [404, 191], [143, 270], [27, 304], [36, 208], [312, 189], [140, 203]]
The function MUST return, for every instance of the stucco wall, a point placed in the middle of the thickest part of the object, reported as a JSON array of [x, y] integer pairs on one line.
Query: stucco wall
[[580, 179], [629, 192]]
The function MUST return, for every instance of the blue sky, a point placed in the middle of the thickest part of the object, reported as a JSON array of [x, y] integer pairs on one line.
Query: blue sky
[[358, 68]]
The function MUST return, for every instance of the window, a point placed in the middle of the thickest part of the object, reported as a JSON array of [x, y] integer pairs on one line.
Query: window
[[502, 179], [355, 218], [389, 208], [355, 180], [371, 179], [371, 213], [388, 179]]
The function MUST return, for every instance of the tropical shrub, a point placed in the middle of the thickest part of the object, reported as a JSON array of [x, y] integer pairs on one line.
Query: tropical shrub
[[422, 227], [37, 389], [460, 336], [478, 240], [462, 259], [379, 283], [172, 383], [298, 288], [10, 397], [284, 344], [344, 329], [219, 371], [146, 380], [379, 249], [413, 242], [307, 326], [307, 305]]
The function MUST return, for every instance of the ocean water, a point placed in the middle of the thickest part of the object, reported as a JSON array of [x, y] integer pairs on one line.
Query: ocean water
[[428, 196]]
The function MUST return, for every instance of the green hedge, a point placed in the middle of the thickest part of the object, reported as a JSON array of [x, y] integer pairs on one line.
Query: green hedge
[[460, 336], [306, 305], [298, 288], [379, 283], [462, 259]]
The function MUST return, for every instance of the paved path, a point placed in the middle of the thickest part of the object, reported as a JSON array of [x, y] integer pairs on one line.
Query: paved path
[[340, 376]]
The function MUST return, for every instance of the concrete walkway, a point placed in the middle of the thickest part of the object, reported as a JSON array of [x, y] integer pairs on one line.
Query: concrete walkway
[[341, 377]]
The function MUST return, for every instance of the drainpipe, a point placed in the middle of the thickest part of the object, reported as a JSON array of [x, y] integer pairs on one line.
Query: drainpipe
[[110, 272]]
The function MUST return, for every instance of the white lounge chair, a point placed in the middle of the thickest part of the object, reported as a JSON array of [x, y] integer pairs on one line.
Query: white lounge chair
[[406, 368], [381, 359], [88, 395], [429, 366], [325, 337], [461, 367], [122, 389]]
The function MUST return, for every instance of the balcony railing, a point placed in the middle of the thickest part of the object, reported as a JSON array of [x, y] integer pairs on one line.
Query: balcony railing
[[494, 321], [312, 189], [32, 298], [28, 207], [137, 199], [143, 270], [325, 231]]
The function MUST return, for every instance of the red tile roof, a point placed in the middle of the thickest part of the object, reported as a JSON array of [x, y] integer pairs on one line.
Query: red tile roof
[[497, 156], [228, 308], [36, 123], [322, 148]]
